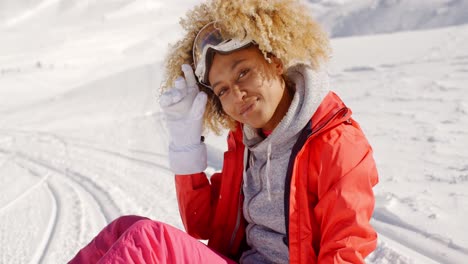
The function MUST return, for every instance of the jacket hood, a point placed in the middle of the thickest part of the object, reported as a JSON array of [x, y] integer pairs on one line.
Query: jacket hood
[[310, 88]]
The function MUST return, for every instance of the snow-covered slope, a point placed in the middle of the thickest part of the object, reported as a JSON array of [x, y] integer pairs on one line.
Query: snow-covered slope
[[412, 103], [50, 12], [362, 17], [82, 139]]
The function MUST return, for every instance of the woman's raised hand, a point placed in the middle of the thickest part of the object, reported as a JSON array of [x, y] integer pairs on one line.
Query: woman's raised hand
[[177, 101], [184, 106]]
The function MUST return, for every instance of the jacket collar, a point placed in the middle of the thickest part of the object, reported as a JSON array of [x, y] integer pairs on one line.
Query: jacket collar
[[331, 111]]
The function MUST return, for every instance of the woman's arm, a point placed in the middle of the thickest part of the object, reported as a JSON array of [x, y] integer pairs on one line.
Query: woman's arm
[[183, 106], [196, 198]]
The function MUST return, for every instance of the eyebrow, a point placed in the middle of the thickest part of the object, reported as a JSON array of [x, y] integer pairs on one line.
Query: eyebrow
[[233, 66]]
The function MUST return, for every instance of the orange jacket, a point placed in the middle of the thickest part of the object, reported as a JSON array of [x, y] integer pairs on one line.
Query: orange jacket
[[328, 199]]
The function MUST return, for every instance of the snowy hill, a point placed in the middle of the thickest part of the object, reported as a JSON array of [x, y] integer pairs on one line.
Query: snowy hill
[[82, 138], [363, 17], [49, 12]]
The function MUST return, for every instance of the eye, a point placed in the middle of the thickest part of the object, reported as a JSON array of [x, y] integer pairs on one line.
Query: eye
[[243, 73], [221, 92]]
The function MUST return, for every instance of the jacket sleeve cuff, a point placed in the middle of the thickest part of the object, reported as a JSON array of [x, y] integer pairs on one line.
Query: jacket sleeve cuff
[[188, 160]]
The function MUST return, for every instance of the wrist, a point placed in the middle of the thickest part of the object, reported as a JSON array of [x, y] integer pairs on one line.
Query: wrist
[[188, 159]]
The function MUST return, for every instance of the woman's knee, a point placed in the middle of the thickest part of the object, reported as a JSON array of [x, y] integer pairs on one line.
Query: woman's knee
[[122, 223], [128, 219], [147, 223]]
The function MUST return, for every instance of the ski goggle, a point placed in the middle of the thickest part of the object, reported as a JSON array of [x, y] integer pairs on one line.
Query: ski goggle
[[209, 41]]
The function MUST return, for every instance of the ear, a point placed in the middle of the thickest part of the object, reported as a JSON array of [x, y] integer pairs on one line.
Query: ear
[[278, 64]]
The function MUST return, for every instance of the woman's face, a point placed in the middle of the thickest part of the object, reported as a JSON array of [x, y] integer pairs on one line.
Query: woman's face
[[250, 89]]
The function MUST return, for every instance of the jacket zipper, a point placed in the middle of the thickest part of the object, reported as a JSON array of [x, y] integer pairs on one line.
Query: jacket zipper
[[239, 203], [238, 219]]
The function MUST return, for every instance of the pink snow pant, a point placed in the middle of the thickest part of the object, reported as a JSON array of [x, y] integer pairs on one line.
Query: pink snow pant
[[136, 239]]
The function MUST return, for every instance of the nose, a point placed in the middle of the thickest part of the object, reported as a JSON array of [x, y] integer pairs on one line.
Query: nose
[[239, 94]]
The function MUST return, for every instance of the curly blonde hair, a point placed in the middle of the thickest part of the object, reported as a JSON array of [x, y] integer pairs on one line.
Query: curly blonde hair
[[283, 28]]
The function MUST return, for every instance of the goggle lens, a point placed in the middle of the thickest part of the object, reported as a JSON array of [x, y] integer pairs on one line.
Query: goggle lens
[[210, 39], [208, 35]]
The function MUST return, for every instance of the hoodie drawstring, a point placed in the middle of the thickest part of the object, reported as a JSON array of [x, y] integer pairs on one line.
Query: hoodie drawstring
[[267, 173]]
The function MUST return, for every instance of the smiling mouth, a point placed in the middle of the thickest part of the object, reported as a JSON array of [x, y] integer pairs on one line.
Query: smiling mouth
[[247, 108]]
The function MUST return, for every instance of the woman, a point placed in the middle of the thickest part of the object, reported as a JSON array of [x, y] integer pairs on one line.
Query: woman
[[296, 184]]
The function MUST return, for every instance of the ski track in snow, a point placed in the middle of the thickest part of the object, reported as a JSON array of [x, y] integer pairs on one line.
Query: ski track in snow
[[441, 250], [107, 206], [56, 172], [43, 246], [49, 230], [24, 193], [143, 162], [57, 201]]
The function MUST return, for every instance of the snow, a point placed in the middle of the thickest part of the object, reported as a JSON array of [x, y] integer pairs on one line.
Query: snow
[[363, 17], [82, 139]]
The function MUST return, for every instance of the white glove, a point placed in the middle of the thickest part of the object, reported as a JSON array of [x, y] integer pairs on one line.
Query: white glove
[[184, 106]]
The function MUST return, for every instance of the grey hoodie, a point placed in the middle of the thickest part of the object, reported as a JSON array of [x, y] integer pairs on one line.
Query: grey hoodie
[[264, 181]]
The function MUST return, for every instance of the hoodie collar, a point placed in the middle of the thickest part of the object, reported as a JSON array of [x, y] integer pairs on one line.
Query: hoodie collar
[[311, 86]]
